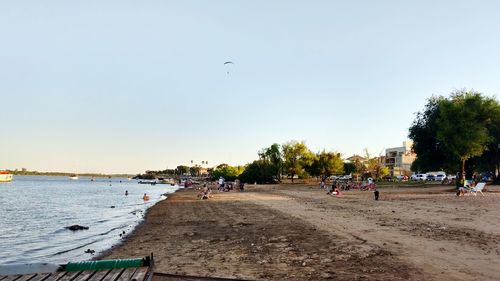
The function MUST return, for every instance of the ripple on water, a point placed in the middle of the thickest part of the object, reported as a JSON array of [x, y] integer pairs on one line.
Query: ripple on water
[[36, 210]]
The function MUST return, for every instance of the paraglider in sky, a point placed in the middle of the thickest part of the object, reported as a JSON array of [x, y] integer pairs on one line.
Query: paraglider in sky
[[228, 65]]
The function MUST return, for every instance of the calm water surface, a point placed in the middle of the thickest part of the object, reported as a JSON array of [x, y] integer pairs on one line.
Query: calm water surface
[[34, 212]]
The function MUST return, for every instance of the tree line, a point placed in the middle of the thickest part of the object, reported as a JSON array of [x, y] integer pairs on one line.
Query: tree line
[[293, 160], [459, 133]]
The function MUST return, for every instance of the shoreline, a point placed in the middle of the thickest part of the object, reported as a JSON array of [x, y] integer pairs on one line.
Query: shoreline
[[297, 232], [39, 212], [123, 240]]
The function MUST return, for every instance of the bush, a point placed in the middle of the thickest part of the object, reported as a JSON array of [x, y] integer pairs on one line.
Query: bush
[[258, 171]]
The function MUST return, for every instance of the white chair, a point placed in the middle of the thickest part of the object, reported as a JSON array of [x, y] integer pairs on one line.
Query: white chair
[[478, 188]]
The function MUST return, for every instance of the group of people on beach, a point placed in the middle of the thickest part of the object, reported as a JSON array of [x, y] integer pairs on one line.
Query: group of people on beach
[[337, 187], [222, 186], [344, 186], [228, 186]]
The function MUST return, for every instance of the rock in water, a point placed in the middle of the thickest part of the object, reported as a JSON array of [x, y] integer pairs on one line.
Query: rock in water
[[76, 227]]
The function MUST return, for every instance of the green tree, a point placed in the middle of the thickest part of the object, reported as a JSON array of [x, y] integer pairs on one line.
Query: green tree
[[349, 168], [229, 173], [431, 154], [182, 170], [296, 156], [259, 171], [375, 167], [464, 120], [195, 170], [326, 164], [460, 128], [273, 156]]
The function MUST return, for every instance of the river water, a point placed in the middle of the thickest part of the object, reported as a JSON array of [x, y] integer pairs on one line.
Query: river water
[[34, 211]]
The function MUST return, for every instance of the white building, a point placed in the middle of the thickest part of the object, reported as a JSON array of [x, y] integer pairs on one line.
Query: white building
[[399, 159]]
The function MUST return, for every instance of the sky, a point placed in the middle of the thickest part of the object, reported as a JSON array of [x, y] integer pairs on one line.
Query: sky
[[128, 86]]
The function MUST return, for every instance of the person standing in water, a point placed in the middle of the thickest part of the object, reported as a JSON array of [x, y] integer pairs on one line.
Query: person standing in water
[[126, 192]]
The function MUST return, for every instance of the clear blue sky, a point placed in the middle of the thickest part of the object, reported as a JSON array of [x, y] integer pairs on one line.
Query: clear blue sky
[[125, 86]]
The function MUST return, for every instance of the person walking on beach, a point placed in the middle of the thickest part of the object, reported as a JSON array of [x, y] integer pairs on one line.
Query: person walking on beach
[[376, 193], [221, 184], [322, 184]]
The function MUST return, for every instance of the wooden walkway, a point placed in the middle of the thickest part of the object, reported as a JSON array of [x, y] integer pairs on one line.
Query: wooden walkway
[[119, 274]]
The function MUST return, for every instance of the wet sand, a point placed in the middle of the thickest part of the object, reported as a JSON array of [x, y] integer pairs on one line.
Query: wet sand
[[297, 232]]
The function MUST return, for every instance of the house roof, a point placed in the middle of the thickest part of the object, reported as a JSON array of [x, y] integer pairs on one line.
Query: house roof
[[356, 158]]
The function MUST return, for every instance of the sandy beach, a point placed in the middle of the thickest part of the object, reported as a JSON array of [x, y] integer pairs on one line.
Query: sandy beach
[[297, 232]]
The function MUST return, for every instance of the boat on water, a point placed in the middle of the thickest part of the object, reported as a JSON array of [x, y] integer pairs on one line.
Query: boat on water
[[73, 177], [5, 176]]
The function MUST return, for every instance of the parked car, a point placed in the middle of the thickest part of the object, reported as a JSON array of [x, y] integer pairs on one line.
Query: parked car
[[431, 177], [451, 177], [419, 177], [402, 178], [440, 177], [344, 177]]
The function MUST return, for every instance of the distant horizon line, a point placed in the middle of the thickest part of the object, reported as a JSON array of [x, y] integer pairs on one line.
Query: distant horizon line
[[68, 173]]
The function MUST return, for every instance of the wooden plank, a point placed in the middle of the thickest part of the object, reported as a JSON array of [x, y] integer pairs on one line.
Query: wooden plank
[[40, 277], [26, 277], [149, 275], [55, 276], [12, 277], [127, 274], [84, 275], [2, 277], [69, 276], [140, 274], [113, 274], [99, 275]]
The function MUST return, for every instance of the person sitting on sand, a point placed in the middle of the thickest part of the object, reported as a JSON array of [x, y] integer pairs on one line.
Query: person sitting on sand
[[145, 197], [336, 192], [468, 185], [461, 191], [205, 193]]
